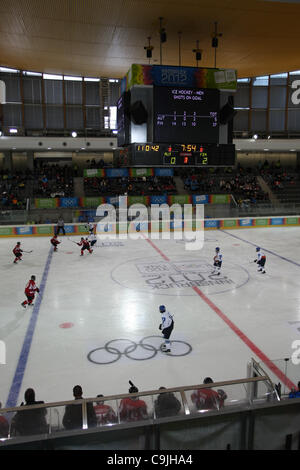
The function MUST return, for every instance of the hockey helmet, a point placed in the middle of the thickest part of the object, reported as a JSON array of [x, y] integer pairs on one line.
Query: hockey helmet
[[162, 308], [257, 248], [217, 248]]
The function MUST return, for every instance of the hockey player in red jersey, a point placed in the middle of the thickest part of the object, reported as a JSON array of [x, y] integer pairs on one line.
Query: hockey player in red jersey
[[85, 244], [30, 290], [104, 413], [18, 252], [133, 409], [54, 241], [207, 398]]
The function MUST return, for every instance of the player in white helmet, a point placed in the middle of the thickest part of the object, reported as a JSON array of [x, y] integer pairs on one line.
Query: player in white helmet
[[92, 238], [260, 260], [218, 258], [90, 227], [166, 327]]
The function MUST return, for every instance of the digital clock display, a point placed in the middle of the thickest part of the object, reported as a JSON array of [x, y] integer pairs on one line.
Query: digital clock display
[[147, 148], [188, 154]]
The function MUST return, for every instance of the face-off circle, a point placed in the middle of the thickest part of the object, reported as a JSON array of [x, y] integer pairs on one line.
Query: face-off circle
[[179, 276]]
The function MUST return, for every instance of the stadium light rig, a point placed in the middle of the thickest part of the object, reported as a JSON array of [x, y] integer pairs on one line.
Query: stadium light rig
[[149, 49]]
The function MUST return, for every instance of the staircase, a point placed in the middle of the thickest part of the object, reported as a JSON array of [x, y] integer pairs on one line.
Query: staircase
[[264, 186], [290, 193], [180, 185]]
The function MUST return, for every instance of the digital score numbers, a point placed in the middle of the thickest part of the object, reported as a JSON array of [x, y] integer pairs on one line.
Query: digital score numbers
[[149, 154], [186, 155]]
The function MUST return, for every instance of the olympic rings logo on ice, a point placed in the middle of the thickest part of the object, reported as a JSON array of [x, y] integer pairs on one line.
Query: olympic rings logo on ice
[[143, 350]]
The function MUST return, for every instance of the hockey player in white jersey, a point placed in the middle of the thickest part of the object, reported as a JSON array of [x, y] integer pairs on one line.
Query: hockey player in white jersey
[[92, 238], [218, 258], [90, 227], [260, 260], [166, 327]]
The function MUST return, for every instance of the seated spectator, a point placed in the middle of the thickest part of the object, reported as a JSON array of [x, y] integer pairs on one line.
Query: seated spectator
[[26, 423], [295, 393], [4, 426], [73, 413], [104, 413], [166, 404], [133, 409], [207, 398]]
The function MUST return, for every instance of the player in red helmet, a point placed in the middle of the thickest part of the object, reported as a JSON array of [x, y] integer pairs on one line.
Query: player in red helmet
[[54, 241], [85, 244], [30, 290], [18, 252]]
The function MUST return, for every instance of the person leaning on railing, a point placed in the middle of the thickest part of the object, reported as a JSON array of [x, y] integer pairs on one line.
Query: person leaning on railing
[[73, 413], [166, 404], [26, 423]]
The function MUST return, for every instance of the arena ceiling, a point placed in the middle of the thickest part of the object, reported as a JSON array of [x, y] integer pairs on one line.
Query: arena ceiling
[[104, 37]]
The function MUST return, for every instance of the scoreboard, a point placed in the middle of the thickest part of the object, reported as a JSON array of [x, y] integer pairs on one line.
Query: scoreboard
[[185, 115], [182, 155], [175, 126]]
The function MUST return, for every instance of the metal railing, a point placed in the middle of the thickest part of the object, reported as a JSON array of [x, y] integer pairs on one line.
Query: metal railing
[[49, 418], [217, 211]]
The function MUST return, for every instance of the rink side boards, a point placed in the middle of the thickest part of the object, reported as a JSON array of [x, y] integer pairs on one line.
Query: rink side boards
[[7, 231]]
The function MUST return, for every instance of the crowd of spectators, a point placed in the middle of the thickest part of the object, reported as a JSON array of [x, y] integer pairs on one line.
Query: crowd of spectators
[[53, 181], [279, 180], [142, 186], [240, 183], [13, 190], [131, 408], [44, 180], [49, 180]]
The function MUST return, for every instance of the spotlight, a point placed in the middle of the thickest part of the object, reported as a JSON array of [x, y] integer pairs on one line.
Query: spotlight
[[255, 136], [214, 42], [1, 133], [198, 53], [74, 134], [149, 49], [13, 130]]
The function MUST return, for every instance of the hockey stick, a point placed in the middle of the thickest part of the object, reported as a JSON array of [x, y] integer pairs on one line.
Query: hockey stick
[[27, 251], [72, 241]]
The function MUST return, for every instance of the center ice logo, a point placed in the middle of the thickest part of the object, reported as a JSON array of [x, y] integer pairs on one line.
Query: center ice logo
[[178, 277]]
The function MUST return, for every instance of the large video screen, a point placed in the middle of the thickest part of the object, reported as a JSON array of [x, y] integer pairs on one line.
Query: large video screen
[[187, 115]]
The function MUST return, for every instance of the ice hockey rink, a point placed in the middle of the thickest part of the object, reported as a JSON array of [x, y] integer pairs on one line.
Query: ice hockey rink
[[95, 321]]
